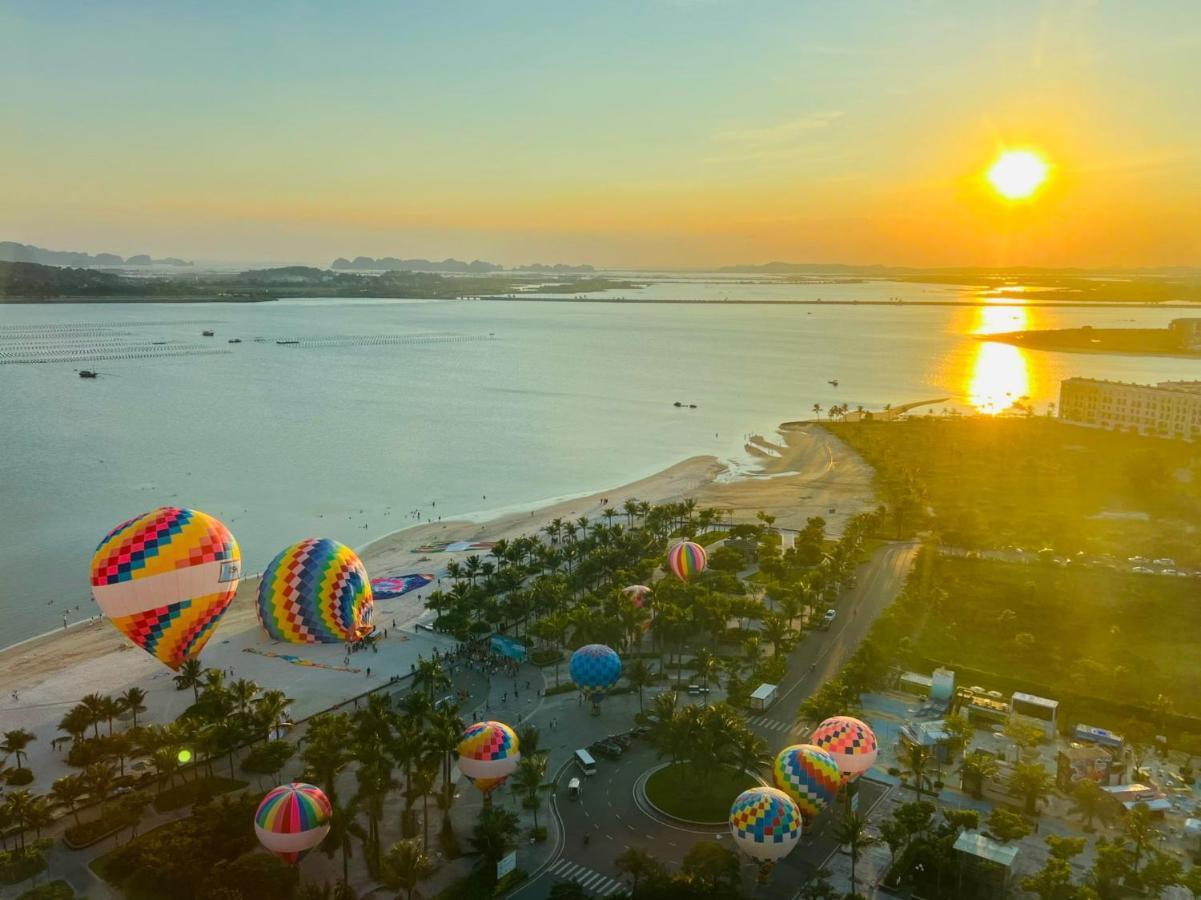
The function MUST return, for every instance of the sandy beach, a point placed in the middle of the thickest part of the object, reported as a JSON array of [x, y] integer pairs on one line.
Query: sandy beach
[[802, 471]]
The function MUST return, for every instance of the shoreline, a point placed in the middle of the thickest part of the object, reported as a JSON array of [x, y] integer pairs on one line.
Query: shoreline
[[801, 472]]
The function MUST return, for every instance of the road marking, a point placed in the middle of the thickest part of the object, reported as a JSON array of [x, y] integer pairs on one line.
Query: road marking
[[589, 879], [770, 724]]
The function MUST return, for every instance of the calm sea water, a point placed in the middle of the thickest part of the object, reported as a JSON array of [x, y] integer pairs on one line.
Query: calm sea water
[[539, 401]]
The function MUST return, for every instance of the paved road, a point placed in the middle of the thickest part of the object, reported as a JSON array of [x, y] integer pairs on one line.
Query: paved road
[[610, 813]]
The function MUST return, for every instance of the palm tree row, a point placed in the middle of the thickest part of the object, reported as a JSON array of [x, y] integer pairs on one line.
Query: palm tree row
[[406, 748]]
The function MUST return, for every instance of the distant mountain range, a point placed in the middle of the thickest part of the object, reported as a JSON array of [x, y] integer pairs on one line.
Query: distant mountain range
[[10, 251], [475, 267]]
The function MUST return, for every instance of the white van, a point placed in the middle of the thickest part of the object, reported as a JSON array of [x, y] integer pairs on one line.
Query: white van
[[573, 789], [584, 760]]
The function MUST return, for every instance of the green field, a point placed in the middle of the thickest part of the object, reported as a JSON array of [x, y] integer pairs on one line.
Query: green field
[[1036, 482], [684, 791], [1069, 631]]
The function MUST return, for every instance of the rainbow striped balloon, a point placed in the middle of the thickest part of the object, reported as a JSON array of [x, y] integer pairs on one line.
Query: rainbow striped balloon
[[686, 560], [808, 775], [850, 742], [315, 592], [165, 578], [488, 750], [292, 819], [765, 823]]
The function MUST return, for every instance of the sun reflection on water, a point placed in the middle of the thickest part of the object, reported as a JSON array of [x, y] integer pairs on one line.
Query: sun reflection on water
[[999, 374]]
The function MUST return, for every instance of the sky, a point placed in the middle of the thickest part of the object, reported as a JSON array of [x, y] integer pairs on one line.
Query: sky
[[657, 133]]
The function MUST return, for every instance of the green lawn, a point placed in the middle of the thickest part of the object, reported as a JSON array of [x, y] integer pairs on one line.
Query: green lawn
[[1035, 482], [191, 792], [1092, 632], [55, 890], [686, 792]]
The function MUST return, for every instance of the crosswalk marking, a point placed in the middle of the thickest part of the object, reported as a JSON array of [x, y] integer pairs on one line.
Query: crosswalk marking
[[770, 724], [585, 877]]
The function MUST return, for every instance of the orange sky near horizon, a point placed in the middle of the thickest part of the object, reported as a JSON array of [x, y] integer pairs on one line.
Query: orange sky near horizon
[[719, 135]]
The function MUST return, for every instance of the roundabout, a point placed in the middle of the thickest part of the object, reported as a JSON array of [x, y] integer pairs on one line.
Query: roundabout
[[691, 795]]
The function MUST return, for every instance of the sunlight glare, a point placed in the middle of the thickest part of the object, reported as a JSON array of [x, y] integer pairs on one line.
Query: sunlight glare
[[999, 375], [1017, 174]]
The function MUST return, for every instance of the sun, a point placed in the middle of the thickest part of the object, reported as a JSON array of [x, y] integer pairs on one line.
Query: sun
[[1017, 174]]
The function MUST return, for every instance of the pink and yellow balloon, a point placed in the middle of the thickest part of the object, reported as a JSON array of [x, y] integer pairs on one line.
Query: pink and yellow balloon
[[850, 742], [488, 751]]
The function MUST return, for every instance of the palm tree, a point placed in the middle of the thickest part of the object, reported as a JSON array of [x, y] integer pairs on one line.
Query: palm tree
[[76, 723], [1032, 783], [191, 675], [94, 704], [133, 701], [976, 769], [243, 693], [405, 864], [1088, 802], [530, 779], [270, 710], [18, 807], [852, 832], [705, 664], [640, 676], [495, 834], [325, 749], [15, 742], [109, 709], [166, 762], [443, 735], [640, 866], [430, 677], [68, 791], [342, 830], [914, 760], [99, 778]]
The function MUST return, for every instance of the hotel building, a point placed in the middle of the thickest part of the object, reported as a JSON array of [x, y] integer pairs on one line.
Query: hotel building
[[1170, 409]]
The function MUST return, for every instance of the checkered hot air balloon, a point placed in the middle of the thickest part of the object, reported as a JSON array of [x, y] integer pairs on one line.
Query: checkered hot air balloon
[[315, 592], [488, 750], [808, 775], [686, 560], [292, 819], [165, 578], [850, 742], [595, 668], [638, 594], [487, 785], [765, 823]]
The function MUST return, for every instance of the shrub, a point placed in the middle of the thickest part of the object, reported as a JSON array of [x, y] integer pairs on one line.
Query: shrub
[[193, 792], [55, 890], [20, 777], [17, 865], [268, 758]]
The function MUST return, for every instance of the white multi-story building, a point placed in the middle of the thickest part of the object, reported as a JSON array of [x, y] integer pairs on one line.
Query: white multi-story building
[[1170, 409]]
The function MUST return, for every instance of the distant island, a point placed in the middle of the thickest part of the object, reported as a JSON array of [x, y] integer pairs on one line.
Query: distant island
[[11, 251], [1181, 338], [23, 282], [452, 266]]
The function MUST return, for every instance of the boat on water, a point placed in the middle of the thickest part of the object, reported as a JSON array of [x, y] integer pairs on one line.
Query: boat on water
[[287, 342], [235, 340], [87, 373], [833, 381], [207, 333]]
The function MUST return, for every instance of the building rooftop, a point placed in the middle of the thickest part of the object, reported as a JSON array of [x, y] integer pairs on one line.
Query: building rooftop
[[1180, 387], [977, 844]]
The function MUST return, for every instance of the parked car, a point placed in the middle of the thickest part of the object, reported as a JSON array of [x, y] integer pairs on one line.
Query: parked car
[[829, 617], [605, 750]]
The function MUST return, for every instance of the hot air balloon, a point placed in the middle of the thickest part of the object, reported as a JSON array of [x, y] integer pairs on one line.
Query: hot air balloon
[[165, 578], [292, 820], [851, 743], [595, 668], [686, 560], [639, 594], [808, 775], [488, 750], [315, 592], [487, 785], [765, 823]]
